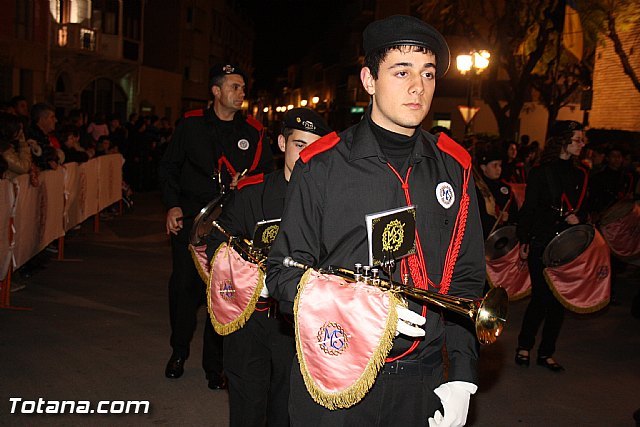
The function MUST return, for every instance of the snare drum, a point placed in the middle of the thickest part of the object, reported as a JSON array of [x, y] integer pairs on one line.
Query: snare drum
[[620, 226], [504, 266], [578, 269]]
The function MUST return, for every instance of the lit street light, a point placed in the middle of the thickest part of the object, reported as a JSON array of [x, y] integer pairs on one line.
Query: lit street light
[[471, 65]]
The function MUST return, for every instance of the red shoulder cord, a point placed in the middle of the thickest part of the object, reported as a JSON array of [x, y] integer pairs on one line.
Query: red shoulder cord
[[564, 198], [417, 265]]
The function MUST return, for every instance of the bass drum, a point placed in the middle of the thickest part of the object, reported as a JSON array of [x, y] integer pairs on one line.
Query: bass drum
[[578, 269], [505, 268], [620, 226], [203, 222]]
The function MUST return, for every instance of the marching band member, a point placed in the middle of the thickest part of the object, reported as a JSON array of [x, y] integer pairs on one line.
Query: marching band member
[[258, 356], [555, 194], [206, 142], [388, 161]]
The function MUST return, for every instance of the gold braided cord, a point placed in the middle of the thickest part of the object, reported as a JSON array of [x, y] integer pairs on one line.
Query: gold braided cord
[[241, 320], [356, 391]]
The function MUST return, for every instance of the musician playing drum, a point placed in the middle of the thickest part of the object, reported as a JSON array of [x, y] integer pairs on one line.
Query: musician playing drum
[[554, 197], [209, 145], [384, 162]]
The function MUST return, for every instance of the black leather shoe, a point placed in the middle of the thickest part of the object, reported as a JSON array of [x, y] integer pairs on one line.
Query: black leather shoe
[[522, 359], [175, 367], [550, 364], [217, 382]]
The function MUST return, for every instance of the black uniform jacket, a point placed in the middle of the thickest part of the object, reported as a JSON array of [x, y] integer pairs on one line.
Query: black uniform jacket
[[501, 194], [607, 187], [324, 224], [249, 205], [187, 171], [543, 211]]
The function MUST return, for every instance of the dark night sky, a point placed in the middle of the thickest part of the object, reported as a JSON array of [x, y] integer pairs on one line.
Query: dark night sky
[[288, 29]]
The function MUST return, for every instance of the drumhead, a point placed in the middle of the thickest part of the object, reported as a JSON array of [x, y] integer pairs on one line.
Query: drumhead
[[618, 210], [500, 242], [202, 224], [568, 245]]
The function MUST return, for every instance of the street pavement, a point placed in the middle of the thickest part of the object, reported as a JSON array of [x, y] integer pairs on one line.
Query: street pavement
[[97, 330]]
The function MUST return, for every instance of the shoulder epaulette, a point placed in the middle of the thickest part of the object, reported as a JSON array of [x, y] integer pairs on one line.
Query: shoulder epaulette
[[250, 180], [455, 150], [325, 143], [194, 113], [255, 123]]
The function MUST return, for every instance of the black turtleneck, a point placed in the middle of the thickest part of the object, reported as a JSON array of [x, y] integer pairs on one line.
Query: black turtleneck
[[396, 147]]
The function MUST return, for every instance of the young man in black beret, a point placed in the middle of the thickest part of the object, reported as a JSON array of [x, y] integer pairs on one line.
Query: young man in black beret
[[208, 143], [388, 161], [258, 356]]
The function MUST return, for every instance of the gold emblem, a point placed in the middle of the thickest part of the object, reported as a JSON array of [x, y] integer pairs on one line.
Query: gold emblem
[[269, 234], [393, 236]]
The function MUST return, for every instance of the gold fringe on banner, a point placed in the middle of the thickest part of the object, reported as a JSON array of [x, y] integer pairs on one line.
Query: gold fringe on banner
[[355, 392], [204, 275], [567, 304], [241, 320]]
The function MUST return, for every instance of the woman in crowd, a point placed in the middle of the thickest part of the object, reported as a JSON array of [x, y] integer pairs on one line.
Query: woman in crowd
[[554, 196]]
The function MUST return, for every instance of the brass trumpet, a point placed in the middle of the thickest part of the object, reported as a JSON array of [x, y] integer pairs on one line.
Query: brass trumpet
[[489, 314], [244, 247]]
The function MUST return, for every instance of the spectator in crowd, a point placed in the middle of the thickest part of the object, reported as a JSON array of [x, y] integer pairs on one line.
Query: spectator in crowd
[[597, 156], [15, 150], [98, 127], [20, 108], [70, 139], [43, 123], [117, 134]]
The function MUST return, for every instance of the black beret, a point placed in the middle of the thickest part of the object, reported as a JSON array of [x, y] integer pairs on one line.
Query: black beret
[[564, 128], [402, 30], [224, 69], [305, 120], [489, 156]]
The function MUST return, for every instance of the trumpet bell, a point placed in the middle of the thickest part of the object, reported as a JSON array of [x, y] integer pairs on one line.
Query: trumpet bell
[[492, 315], [203, 223]]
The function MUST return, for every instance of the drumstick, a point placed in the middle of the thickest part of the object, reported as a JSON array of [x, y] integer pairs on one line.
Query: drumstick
[[506, 208]]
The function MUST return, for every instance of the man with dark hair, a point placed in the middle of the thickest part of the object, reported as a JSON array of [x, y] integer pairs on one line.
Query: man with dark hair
[[258, 356], [20, 107], [384, 162], [207, 144]]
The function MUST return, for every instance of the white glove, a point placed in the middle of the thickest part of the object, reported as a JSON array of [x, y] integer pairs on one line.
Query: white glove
[[455, 397], [264, 293], [406, 320]]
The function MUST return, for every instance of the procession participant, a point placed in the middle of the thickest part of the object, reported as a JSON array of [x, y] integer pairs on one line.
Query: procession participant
[[207, 143], [258, 356], [388, 161], [495, 194], [555, 195]]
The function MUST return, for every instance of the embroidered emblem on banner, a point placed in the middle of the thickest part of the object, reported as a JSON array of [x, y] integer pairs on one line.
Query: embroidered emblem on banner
[[393, 236], [243, 144], [504, 190], [226, 290], [602, 272], [269, 234], [333, 339], [445, 195]]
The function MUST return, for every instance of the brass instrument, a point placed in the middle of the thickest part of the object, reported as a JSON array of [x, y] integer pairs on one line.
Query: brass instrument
[[244, 248], [489, 313]]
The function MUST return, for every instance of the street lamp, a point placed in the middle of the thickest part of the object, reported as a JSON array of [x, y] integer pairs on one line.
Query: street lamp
[[471, 65], [303, 103]]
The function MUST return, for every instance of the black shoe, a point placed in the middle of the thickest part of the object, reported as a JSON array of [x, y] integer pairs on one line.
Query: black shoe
[[549, 363], [217, 381], [175, 367], [522, 359]]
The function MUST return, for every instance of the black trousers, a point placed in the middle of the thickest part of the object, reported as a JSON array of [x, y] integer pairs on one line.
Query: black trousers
[[543, 307], [187, 293], [396, 399], [257, 363]]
